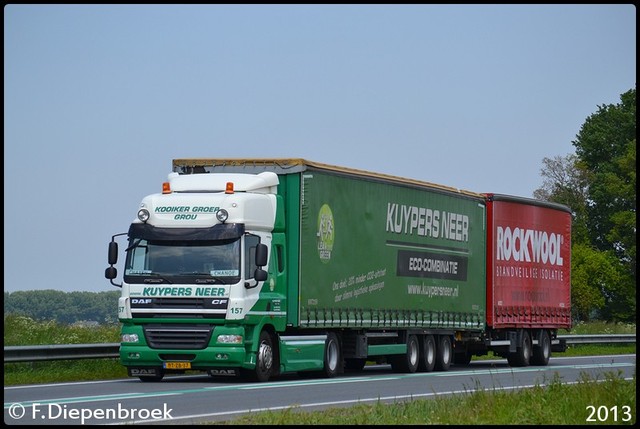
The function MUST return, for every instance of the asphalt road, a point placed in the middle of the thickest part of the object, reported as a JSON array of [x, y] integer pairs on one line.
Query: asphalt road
[[199, 398]]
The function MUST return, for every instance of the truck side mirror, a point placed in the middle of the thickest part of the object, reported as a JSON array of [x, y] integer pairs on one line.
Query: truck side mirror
[[260, 275], [261, 255], [113, 253], [111, 272]]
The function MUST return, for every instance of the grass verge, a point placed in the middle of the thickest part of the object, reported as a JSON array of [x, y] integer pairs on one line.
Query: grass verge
[[613, 400]]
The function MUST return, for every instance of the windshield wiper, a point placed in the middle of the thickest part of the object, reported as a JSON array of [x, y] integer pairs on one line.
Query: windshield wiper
[[158, 279], [194, 273], [209, 279]]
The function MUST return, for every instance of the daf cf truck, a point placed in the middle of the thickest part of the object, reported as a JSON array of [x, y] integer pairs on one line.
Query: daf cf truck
[[260, 267]]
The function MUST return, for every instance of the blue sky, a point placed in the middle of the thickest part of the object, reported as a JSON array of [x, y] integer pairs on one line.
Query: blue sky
[[98, 100]]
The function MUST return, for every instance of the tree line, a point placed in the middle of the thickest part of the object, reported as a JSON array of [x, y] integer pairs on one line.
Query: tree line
[[64, 307], [598, 183]]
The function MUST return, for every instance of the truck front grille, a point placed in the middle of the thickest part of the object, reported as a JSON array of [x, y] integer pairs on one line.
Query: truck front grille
[[200, 308], [191, 337]]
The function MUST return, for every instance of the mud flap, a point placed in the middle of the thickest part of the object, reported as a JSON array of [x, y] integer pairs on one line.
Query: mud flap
[[513, 341]]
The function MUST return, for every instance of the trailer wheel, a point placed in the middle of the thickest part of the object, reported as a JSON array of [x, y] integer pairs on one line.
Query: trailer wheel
[[522, 356], [409, 361], [542, 352], [427, 354], [444, 353], [264, 357], [331, 356]]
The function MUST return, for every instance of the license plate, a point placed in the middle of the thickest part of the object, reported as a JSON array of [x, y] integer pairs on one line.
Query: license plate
[[176, 365]]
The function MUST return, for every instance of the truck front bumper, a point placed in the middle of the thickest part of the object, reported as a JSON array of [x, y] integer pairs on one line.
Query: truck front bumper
[[225, 349]]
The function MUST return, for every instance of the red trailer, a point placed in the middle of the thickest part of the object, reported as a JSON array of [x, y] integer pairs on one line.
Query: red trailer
[[528, 263], [528, 276], [528, 284]]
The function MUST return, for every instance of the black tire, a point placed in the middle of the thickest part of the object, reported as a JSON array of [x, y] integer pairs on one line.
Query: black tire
[[265, 358], [332, 356], [444, 353], [525, 351], [427, 354], [150, 378], [522, 356], [153, 378], [542, 352], [408, 362]]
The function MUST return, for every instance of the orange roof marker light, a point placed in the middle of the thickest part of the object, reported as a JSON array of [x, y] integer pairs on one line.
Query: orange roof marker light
[[166, 188], [229, 189]]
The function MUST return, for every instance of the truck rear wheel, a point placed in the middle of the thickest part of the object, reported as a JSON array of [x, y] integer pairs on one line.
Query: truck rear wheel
[[408, 362], [331, 356], [542, 352], [444, 353], [427, 354]]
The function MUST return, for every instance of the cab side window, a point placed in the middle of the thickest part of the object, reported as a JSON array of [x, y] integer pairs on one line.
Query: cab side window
[[250, 244]]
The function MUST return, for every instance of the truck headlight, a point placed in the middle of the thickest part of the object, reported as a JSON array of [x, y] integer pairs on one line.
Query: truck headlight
[[222, 215], [143, 215], [129, 338], [230, 339]]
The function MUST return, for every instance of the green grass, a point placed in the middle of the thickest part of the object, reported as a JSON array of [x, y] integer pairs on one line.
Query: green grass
[[24, 331], [599, 327], [62, 371]]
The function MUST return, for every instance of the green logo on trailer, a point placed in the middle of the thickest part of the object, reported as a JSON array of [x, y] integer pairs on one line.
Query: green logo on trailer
[[325, 233]]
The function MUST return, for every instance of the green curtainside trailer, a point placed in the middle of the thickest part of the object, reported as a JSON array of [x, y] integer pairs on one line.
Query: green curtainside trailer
[[380, 254]]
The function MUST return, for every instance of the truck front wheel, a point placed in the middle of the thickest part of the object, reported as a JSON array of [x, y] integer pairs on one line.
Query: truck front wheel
[[151, 378], [264, 357]]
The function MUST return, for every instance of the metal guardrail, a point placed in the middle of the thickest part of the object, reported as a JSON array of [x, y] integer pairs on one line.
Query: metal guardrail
[[598, 339], [61, 352], [111, 350]]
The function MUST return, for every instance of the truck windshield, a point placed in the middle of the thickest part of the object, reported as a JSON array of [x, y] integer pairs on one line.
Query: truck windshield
[[176, 260]]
